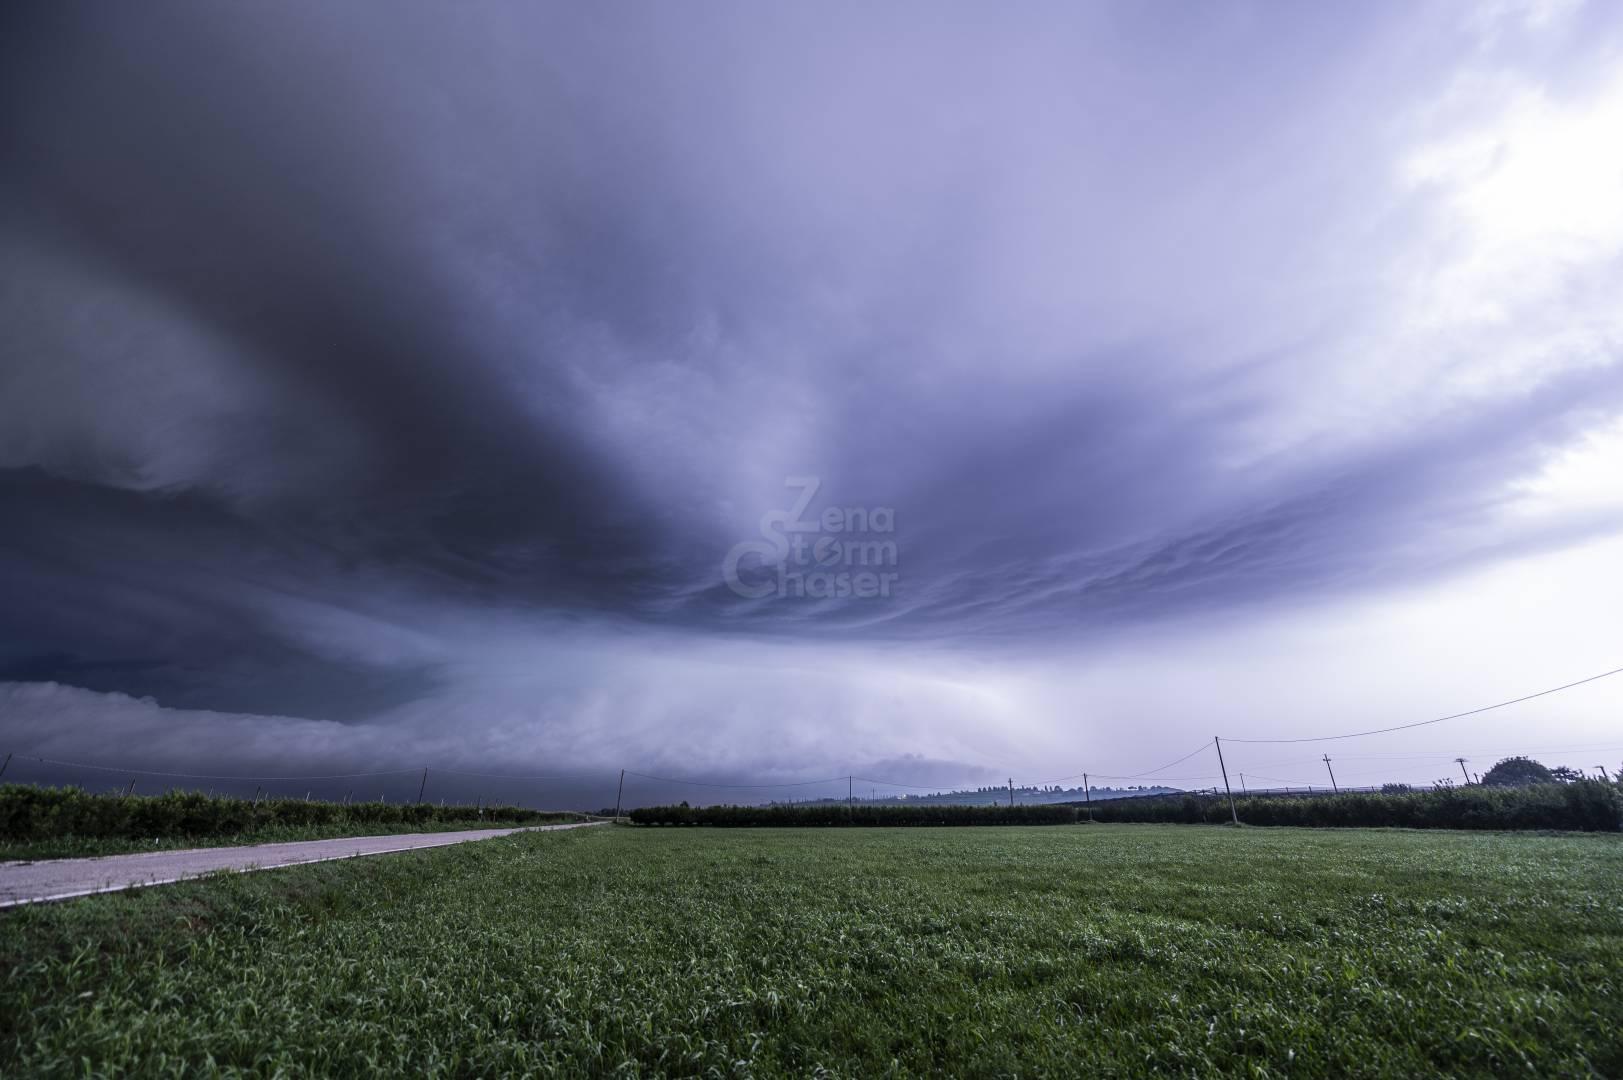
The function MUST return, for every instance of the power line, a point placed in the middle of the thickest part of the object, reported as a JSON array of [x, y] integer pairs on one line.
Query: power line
[[702, 783], [1108, 776], [1168, 765], [1280, 780], [910, 787], [1440, 719], [1146, 775], [1441, 756]]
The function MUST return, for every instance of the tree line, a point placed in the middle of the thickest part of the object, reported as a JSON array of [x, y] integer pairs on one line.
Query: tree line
[[1589, 805], [840, 815], [29, 813]]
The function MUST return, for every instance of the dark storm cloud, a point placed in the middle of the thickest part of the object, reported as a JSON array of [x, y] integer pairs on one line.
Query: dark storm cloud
[[170, 152], [523, 309], [169, 596], [177, 158]]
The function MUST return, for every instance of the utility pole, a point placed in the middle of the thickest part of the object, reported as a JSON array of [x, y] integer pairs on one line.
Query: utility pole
[[130, 790], [1462, 770], [1087, 795], [1243, 790], [424, 785], [1604, 775], [850, 793], [621, 790], [1332, 773], [1233, 813], [1011, 793], [3, 765]]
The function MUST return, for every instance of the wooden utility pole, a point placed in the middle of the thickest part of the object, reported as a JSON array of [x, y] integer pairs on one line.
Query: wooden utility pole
[[619, 791], [3, 765], [1233, 813], [1011, 793], [424, 785], [1462, 770], [850, 793], [1087, 795], [1332, 773], [1243, 790], [130, 790]]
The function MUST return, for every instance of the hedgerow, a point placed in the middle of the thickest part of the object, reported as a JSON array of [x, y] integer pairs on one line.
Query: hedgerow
[[29, 813], [839, 814], [1588, 805]]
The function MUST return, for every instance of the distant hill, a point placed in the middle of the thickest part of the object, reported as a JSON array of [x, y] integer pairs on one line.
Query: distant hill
[[990, 796]]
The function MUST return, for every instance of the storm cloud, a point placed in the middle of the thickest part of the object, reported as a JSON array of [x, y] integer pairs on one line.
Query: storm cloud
[[403, 376]]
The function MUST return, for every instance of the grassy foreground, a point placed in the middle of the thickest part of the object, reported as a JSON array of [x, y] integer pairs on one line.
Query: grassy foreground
[[1110, 950]]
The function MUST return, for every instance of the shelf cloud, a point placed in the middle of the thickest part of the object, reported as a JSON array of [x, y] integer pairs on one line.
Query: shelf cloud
[[402, 382]]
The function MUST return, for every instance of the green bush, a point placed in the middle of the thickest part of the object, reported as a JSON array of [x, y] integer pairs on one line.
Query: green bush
[[1589, 805], [29, 813], [839, 814]]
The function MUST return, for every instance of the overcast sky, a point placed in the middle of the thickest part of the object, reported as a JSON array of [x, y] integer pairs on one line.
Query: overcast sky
[[388, 385]]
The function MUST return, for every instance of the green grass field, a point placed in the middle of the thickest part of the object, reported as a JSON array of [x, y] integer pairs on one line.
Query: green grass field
[[1071, 950]]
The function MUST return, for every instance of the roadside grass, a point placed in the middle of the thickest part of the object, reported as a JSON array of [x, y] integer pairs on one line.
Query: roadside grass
[[77, 847], [1103, 950]]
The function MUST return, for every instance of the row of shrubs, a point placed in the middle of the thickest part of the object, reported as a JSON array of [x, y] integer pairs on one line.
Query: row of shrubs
[[841, 814], [44, 813], [1590, 805]]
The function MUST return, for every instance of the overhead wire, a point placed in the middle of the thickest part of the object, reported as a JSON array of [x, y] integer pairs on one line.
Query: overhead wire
[[1437, 720]]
